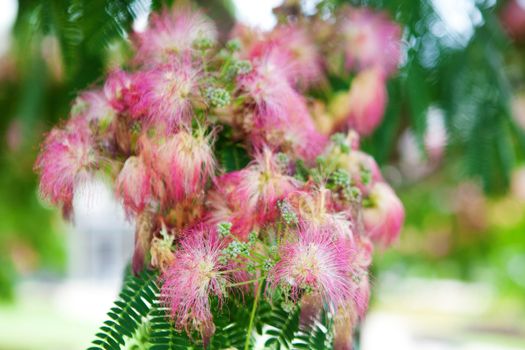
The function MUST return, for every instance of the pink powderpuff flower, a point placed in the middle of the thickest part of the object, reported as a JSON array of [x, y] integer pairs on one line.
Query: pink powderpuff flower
[[265, 85], [172, 33], [165, 94], [63, 163], [295, 47], [185, 162], [319, 262], [384, 217], [315, 209], [261, 184], [298, 136], [225, 206], [117, 89], [367, 101], [362, 168], [192, 278], [93, 107], [133, 185], [247, 35], [370, 39], [348, 315], [282, 120]]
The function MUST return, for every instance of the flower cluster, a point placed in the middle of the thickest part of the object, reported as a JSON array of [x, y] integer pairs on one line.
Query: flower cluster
[[216, 152]]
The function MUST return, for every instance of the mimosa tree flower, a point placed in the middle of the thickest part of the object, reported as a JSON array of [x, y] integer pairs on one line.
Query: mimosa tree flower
[[316, 209], [225, 206], [116, 89], [317, 262], [93, 106], [65, 160], [367, 101], [185, 162], [133, 185], [192, 278], [295, 47], [261, 184], [165, 94], [370, 39], [384, 216], [265, 85], [172, 33]]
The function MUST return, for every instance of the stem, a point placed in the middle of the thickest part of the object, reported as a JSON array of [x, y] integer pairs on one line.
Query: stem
[[252, 317], [245, 282], [230, 271]]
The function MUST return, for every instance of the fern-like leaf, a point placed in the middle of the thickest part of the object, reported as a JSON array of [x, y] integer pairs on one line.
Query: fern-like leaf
[[164, 336], [281, 326], [231, 323], [130, 310], [318, 336]]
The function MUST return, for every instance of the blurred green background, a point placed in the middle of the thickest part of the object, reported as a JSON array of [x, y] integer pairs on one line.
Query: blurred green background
[[461, 179]]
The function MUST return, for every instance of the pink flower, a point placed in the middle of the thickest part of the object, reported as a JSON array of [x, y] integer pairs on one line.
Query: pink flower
[[172, 33], [316, 209], [261, 184], [64, 161], [384, 217], [133, 185], [93, 107], [367, 100], [295, 47], [194, 276], [362, 168], [165, 93], [371, 39], [296, 135], [319, 262], [247, 35], [248, 197], [117, 88], [185, 162], [225, 206], [265, 85]]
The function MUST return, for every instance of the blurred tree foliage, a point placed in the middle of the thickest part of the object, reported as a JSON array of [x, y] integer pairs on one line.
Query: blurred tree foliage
[[62, 46], [461, 72], [453, 231]]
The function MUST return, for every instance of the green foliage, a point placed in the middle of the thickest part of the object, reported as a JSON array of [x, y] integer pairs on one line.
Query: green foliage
[[139, 321], [163, 335], [461, 74], [282, 326], [84, 28], [318, 336], [231, 155], [231, 321], [129, 312]]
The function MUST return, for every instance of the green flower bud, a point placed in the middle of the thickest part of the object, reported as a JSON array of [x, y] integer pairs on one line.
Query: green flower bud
[[340, 178], [243, 67], [233, 45], [203, 44], [268, 264], [339, 140], [287, 212], [218, 97], [224, 229], [366, 176]]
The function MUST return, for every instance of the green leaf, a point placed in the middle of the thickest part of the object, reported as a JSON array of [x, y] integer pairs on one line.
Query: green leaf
[[129, 311]]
